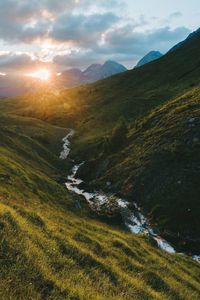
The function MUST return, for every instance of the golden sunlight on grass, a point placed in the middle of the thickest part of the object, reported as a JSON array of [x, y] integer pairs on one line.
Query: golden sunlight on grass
[[42, 74]]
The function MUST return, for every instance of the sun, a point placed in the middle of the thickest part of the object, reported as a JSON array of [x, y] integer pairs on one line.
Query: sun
[[42, 74]]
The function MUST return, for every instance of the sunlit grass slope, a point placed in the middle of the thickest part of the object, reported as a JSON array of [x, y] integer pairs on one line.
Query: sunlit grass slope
[[49, 249], [131, 94], [158, 167]]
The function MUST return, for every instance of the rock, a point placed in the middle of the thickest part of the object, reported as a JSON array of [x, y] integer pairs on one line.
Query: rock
[[191, 120]]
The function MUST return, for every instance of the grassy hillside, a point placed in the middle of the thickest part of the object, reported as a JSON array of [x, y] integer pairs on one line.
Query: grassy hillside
[[157, 166], [50, 249]]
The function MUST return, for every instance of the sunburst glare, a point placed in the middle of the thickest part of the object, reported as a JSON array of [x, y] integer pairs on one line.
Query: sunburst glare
[[42, 74]]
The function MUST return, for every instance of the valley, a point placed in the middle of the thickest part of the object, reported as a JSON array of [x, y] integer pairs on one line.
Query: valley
[[83, 210], [45, 235], [139, 131], [131, 216]]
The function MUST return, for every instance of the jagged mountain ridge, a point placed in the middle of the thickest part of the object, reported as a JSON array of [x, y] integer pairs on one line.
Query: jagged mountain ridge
[[93, 73], [11, 85]]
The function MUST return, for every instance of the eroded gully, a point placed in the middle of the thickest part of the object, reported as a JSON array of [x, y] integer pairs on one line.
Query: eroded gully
[[132, 218]]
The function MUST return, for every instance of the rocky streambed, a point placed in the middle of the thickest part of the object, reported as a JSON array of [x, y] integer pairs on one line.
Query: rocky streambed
[[132, 217]]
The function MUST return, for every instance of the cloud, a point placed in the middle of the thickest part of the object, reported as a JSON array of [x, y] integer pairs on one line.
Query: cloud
[[63, 21], [32, 32], [10, 62], [126, 40], [18, 18], [82, 30], [77, 59], [77, 33], [175, 15], [16, 60], [125, 45], [113, 4]]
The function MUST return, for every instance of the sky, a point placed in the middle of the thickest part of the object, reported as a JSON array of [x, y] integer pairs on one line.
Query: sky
[[76, 33]]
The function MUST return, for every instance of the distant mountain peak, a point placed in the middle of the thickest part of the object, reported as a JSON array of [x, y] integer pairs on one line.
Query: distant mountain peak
[[92, 69], [96, 71], [69, 78], [111, 62], [151, 56], [115, 65]]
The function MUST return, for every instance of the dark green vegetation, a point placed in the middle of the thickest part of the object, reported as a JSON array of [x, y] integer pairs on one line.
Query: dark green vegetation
[[156, 163], [50, 249]]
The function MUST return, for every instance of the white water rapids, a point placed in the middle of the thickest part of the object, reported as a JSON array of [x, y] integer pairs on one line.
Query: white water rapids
[[66, 149], [133, 219]]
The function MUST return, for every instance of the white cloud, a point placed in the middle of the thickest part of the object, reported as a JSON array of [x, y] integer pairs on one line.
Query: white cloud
[[77, 33]]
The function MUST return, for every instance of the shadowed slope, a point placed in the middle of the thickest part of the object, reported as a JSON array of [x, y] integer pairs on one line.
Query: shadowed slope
[[49, 249]]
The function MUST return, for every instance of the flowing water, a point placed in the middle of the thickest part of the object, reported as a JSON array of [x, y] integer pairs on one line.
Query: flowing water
[[132, 218]]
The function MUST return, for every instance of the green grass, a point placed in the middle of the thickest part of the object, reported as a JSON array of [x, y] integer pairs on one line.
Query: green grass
[[73, 259], [158, 166], [50, 249]]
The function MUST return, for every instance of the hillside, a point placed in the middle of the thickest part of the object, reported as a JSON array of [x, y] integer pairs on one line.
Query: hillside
[[158, 167], [52, 249], [167, 89]]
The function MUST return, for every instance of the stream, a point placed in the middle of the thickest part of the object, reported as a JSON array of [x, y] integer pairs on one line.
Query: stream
[[133, 218]]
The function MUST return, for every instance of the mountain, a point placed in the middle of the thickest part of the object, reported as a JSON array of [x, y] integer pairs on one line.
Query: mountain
[[49, 238], [151, 56], [192, 36], [71, 77], [11, 85], [93, 73], [160, 105], [138, 133], [111, 68]]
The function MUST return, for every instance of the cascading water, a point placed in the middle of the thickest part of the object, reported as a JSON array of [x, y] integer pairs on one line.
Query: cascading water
[[133, 219]]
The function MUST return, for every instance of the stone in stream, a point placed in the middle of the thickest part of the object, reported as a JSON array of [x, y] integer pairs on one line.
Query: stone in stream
[[131, 215]]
